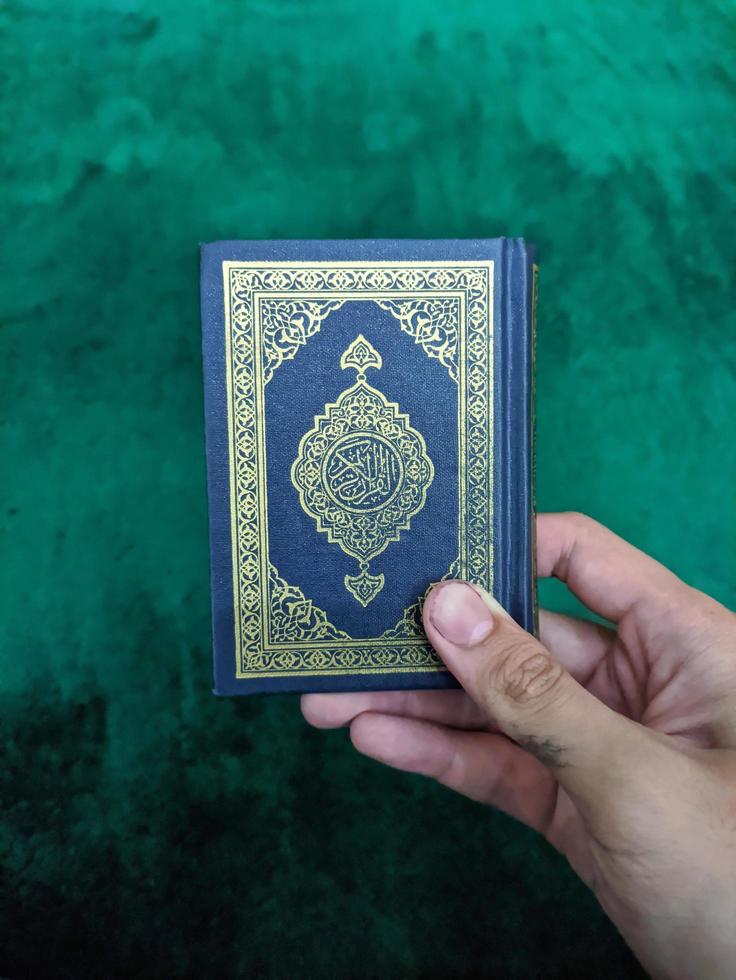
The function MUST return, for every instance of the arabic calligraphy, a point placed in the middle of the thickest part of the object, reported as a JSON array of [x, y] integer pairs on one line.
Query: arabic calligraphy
[[362, 472], [248, 288]]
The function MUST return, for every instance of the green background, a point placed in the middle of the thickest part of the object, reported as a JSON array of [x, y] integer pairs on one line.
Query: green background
[[148, 829]]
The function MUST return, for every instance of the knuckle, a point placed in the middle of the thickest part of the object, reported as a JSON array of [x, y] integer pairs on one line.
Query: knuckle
[[581, 521], [525, 673]]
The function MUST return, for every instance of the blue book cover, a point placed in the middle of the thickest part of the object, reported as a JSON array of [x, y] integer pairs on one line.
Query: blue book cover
[[370, 430]]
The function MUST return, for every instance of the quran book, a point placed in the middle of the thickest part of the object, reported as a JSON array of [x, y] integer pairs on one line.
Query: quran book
[[370, 431]]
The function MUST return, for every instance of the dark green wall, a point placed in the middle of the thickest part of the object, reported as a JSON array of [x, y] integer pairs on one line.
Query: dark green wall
[[146, 828]]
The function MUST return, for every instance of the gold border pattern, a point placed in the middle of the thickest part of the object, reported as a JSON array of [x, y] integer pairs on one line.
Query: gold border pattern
[[271, 310]]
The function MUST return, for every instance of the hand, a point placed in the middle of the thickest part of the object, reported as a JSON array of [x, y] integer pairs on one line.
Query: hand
[[618, 745]]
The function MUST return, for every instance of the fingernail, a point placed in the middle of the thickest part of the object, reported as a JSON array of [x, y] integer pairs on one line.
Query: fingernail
[[459, 614]]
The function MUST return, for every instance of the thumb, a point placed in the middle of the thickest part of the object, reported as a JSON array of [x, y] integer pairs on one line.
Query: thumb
[[529, 695]]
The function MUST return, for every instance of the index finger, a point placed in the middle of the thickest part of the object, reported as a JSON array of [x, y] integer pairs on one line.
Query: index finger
[[605, 572]]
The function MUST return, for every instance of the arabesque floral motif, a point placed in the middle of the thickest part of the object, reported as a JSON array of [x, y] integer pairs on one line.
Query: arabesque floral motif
[[317, 290], [362, 472]]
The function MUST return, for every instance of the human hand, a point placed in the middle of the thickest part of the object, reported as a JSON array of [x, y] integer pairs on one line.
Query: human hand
[[618, 745]]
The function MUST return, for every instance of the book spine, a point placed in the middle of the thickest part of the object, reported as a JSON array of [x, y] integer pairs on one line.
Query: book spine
[[514, 577]]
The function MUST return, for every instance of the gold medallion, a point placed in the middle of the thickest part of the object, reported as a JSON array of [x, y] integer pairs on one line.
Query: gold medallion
[[362, 471]]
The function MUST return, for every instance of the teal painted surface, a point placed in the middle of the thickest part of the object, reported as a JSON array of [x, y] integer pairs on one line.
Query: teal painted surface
[[146, 828]]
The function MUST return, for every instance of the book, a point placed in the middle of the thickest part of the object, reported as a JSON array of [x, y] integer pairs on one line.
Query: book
[[370, 431]]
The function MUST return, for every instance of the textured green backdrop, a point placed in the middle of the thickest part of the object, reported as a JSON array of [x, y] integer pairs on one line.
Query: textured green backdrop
[[147, 828]]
